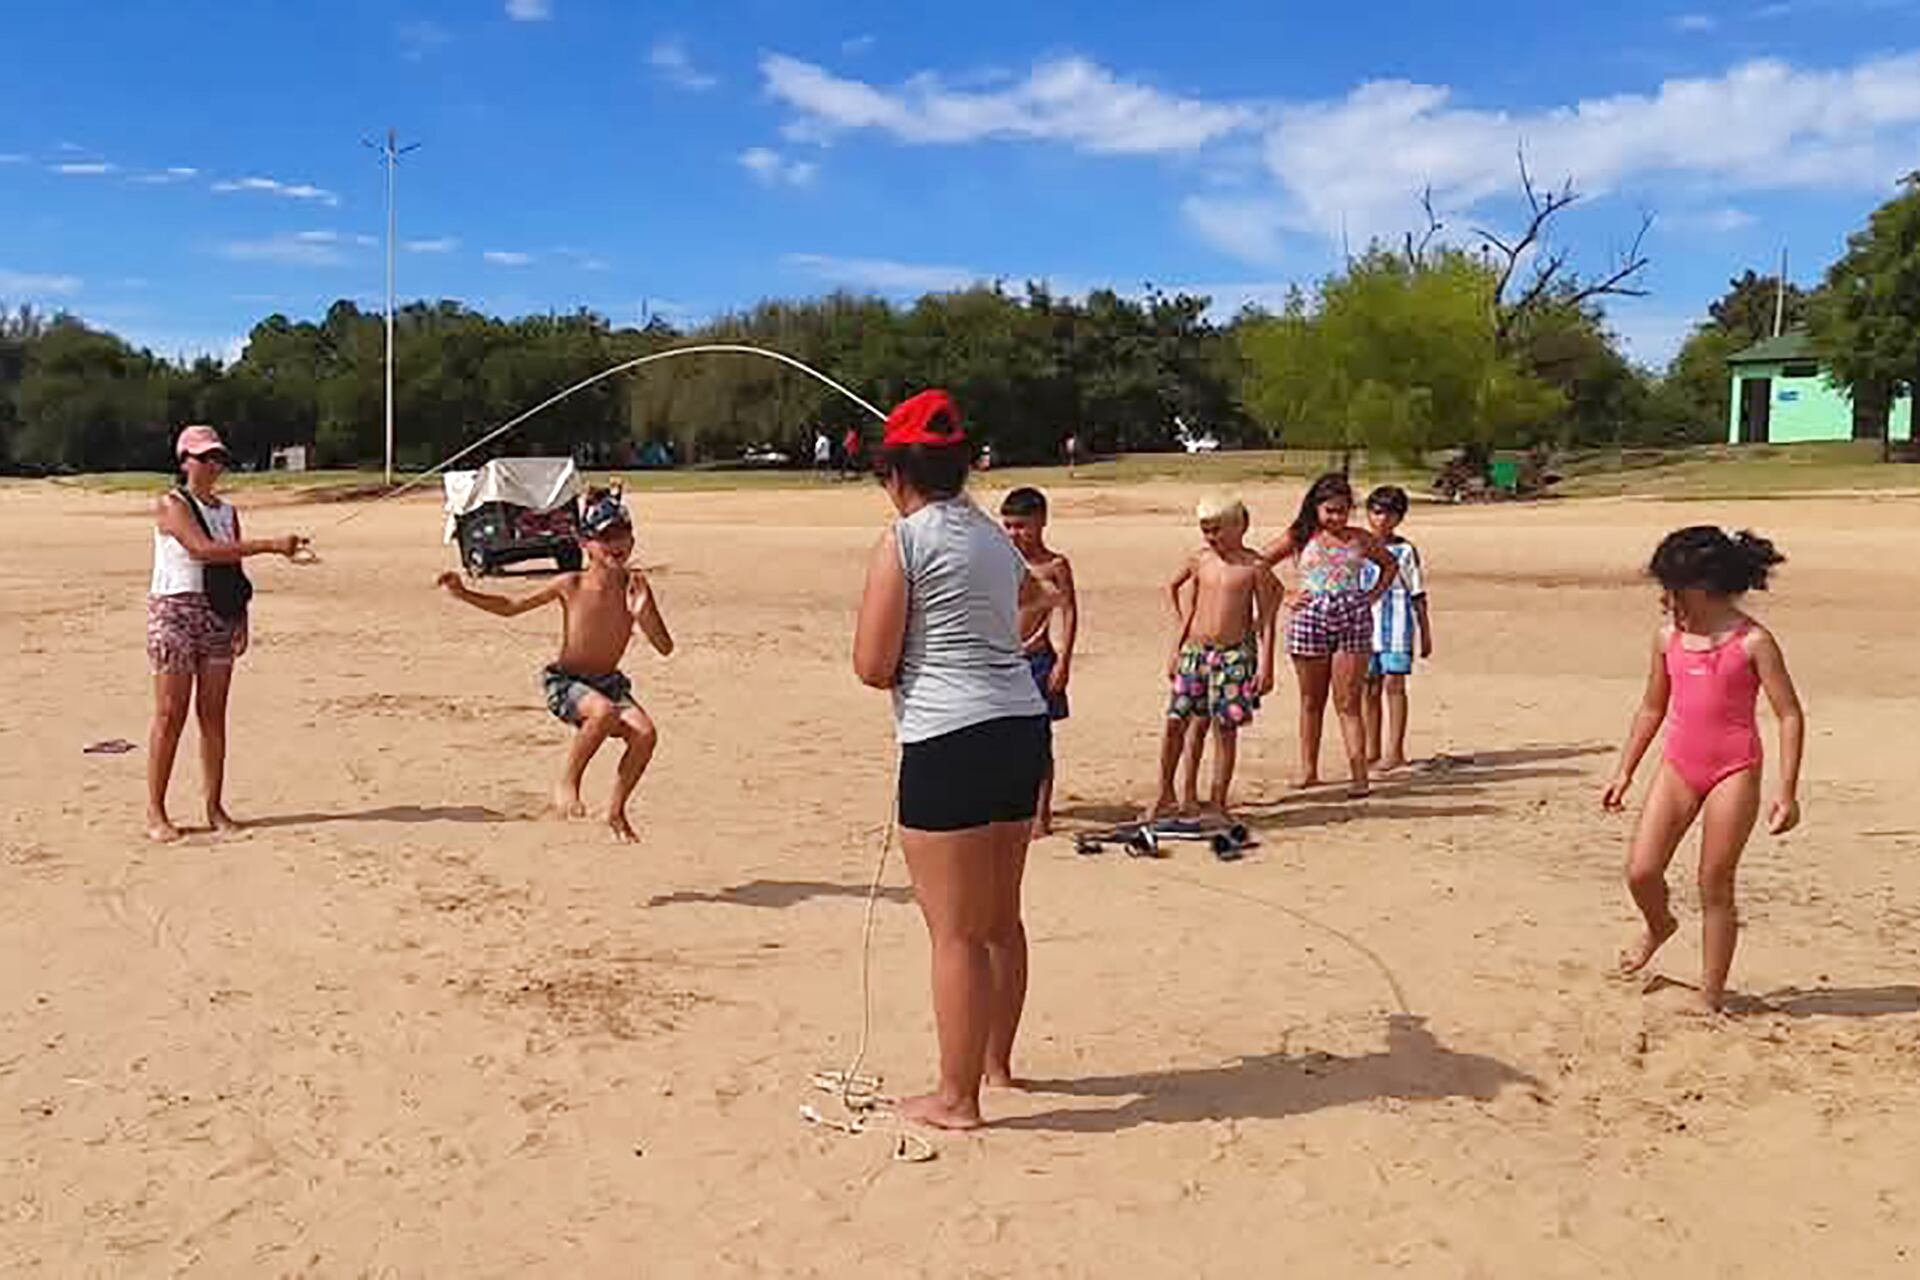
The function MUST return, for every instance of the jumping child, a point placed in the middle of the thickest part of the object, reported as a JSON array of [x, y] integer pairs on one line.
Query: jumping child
[[1330, 632], [1222, 660], [1047, 626], [1400, 626], [600, 607], [1708, 665]]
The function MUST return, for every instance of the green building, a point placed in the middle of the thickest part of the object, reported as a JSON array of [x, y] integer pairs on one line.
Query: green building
[[1781, 395]]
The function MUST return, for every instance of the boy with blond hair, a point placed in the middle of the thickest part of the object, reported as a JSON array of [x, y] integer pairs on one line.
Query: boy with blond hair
[[1227, 602]]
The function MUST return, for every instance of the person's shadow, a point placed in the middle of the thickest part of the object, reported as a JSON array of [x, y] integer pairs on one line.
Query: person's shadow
[[402, 813], [777, 895], [1414, 1067]]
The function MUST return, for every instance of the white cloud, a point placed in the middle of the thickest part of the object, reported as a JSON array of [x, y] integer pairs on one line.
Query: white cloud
[[774, 169], [669, 57], [858, 45], [883, 275], [83, 168], [298, 249], [165, 177], [441, 244], [1721, 221], [1068, 100], [1248, 228], [36, 284], [418, 39], [1695, 23], [12, 157], [285, 190], [529, 10], [1364, 158], [506, 258], [584, 260]]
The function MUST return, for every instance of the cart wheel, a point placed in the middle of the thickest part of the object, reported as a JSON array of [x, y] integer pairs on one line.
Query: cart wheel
[[568, 558], [478, 562]]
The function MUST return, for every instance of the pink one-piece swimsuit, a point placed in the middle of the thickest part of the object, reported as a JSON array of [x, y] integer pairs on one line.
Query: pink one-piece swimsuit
[[1711, 731]]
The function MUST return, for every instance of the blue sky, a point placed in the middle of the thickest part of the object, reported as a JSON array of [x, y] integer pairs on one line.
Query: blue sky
[[174, 172]]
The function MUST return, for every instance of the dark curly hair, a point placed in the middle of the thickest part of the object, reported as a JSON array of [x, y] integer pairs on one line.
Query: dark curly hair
[[936, 471], [1334, 484], [1707, 558]]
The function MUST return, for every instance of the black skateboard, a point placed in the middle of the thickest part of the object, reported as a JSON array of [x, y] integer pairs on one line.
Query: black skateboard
[[1143, 839], [1139, 839]]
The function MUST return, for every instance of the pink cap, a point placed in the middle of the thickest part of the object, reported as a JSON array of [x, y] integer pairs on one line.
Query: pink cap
[[197, 440]]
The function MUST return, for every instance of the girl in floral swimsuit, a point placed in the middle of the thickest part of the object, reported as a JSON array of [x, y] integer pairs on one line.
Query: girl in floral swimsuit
[[1330, 633]]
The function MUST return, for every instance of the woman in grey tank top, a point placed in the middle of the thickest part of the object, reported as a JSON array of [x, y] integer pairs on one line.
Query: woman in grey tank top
[[939, 628]]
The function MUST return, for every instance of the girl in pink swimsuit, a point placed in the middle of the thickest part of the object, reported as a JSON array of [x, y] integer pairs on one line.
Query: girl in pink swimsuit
[[1708, 666]]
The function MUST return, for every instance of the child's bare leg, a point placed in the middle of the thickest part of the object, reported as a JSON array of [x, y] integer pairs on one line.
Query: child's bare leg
[[1196, 747], [598, 718], [1043, 808], [1226, 748], [210, 707], [636, 727], [1669, 811], [1726, 822], [172, 696], [1349, 671], [1370, 713], [1171, 743], [1316, 676], [1396, 726]]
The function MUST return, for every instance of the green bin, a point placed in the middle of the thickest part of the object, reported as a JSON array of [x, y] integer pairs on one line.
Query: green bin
[[1504, 474]]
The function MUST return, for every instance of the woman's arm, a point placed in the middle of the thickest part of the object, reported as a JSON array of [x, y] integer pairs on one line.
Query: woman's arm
[[172, 518], [1783, 815], [1645, 724], [881, 631]]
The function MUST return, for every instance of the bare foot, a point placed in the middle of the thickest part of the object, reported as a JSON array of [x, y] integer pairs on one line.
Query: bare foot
[[935, 1112], [1632, 961], [1305, 782], [1707, 1005], [1001, 1078], [224, 823], [160, 830], [1392, 764], [567, 803], [623, 832], [1165, 805], [1043, 826], [1359, 790]]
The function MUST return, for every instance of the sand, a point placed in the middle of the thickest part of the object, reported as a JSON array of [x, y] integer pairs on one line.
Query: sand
[[405, 1027]]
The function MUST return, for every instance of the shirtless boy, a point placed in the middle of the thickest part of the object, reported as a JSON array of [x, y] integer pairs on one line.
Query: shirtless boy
[[1222, 661], [600, 606], [1049, 621]]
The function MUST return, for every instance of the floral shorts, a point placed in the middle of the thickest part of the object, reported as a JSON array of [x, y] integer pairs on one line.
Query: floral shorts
[[1218, 682], [184, 633], [1323, 625]]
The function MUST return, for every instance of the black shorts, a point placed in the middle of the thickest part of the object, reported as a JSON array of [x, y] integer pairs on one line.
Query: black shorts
[[989, 772]]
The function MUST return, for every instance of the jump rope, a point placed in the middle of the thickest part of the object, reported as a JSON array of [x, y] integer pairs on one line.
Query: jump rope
[[859, 1094]]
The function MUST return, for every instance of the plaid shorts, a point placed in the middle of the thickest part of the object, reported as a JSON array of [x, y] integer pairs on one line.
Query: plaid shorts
[[1323, 625], [183, 632]]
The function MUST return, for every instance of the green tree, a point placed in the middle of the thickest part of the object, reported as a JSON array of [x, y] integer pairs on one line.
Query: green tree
[[1867, 318]]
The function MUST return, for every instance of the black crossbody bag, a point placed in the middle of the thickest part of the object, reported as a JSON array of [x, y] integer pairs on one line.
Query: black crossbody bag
[[227, 588]]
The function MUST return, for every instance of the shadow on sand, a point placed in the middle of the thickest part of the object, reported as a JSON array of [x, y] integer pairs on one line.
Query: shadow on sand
[[405, 813], [776, 895], [1414, 1067]]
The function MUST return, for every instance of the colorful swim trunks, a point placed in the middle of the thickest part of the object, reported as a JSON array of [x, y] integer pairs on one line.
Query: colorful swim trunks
[[1042, 662], [1217, 681], [1323, 625], [566, 690]]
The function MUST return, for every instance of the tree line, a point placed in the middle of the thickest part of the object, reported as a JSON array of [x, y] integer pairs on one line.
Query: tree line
[[1406, 349]]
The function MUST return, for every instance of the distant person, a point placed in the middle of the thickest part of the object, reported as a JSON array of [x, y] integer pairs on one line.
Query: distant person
[[1401, 628], [1330, 632], [939, 627], [1707, 667], [1072, 450], [1222, 660], [1048, 628], [197, 622], [850, 460], [822, 452], [600, 607]]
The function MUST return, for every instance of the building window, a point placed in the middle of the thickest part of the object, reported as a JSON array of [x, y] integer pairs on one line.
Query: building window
[[1800, 369]]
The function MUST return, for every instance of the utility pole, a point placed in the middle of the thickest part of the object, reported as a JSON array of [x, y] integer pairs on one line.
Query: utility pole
[[1780, 295], [390, 153]]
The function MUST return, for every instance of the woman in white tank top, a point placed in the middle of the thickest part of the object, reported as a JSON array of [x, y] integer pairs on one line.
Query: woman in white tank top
[[939, 628], [191, 647]]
